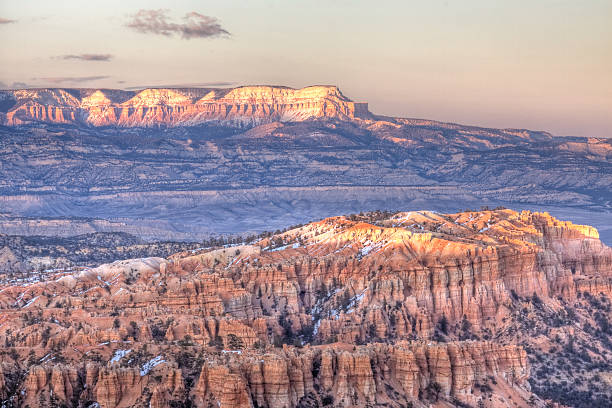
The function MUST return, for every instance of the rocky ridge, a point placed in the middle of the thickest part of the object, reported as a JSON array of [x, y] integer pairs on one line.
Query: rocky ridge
[[176, 106], [23, 257], [379, 309]]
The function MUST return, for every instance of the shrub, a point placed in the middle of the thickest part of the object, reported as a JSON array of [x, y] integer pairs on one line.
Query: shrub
[[443, 325], [234, 342]]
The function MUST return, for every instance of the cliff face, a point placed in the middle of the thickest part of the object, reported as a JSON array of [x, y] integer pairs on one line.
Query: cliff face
[[408, 308], [153, 107], [377, 374]]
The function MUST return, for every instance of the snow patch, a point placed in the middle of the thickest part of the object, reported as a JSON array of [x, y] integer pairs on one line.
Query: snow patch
[[316, 328], [42, 360], [281, 248], [370, 246], [30, 302], [149, 365], [354, 302], [119, 354]]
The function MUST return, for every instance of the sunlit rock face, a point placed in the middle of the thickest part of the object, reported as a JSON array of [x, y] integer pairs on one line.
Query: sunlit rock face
[[380, 309], [247, 105]]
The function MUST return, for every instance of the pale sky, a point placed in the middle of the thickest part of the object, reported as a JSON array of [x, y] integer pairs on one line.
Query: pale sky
[[538, 64]]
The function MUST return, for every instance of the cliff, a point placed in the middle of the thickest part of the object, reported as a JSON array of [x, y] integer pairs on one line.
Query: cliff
[[248, 105], [380, 309], [376, 374]]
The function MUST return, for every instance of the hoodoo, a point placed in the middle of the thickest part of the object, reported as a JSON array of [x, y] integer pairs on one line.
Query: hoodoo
[[390, 310]]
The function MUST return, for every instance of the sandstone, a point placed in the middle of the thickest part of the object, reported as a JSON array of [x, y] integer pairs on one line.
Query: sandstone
[[152, 107], [412, 308]]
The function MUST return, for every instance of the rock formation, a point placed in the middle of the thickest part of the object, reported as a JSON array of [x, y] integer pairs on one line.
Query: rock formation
[[158, 106], [405, 309]]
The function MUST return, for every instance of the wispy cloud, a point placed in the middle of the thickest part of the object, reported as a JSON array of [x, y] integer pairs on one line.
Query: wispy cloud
[[193, 25], [186, 85], [86, 57], [14, 85], [70, 80], [6, 20]]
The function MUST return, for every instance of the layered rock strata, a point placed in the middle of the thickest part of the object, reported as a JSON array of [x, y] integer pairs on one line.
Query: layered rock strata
[[376, 374], [159, 106], [350, 311]]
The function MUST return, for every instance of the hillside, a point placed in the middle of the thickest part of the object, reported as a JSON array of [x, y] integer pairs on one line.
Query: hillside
[[22, 255], [380, 309]]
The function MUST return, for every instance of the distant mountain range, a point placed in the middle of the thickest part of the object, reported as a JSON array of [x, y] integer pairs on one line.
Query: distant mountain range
[[188, 163], [177, 107]]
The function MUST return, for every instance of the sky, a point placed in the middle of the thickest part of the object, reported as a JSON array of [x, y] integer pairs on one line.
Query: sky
[[540, 65]]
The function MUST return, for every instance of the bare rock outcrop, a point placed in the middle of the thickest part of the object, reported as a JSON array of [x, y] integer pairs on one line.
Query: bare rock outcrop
[[154, 107], [379, 309]]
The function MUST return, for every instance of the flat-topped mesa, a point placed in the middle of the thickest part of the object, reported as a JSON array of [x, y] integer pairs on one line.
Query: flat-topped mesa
[[247, 105]]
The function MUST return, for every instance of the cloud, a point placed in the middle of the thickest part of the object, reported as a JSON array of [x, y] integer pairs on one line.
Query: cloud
[[71, 80], [187, 85], [6, 21], [193, 25], [14, 85], [87, 57]]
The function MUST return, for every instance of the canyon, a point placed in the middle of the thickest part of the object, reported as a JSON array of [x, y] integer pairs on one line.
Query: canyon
[[395, 309], [190, 163], [181, 247]]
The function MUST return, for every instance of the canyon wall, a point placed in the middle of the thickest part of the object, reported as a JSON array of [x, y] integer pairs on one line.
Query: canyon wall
[[396, 309], [377, 374]]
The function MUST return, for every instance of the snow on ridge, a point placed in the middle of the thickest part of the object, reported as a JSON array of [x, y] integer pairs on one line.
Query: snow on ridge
[[119, 354], [355, 301], [316, 327], [370, 246], [20, 297], [149, 365], [31, 302], [281, 248]]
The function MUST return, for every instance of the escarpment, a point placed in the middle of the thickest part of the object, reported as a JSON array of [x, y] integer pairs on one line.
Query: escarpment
[[158, 106], [375, 374], [406, 309]]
